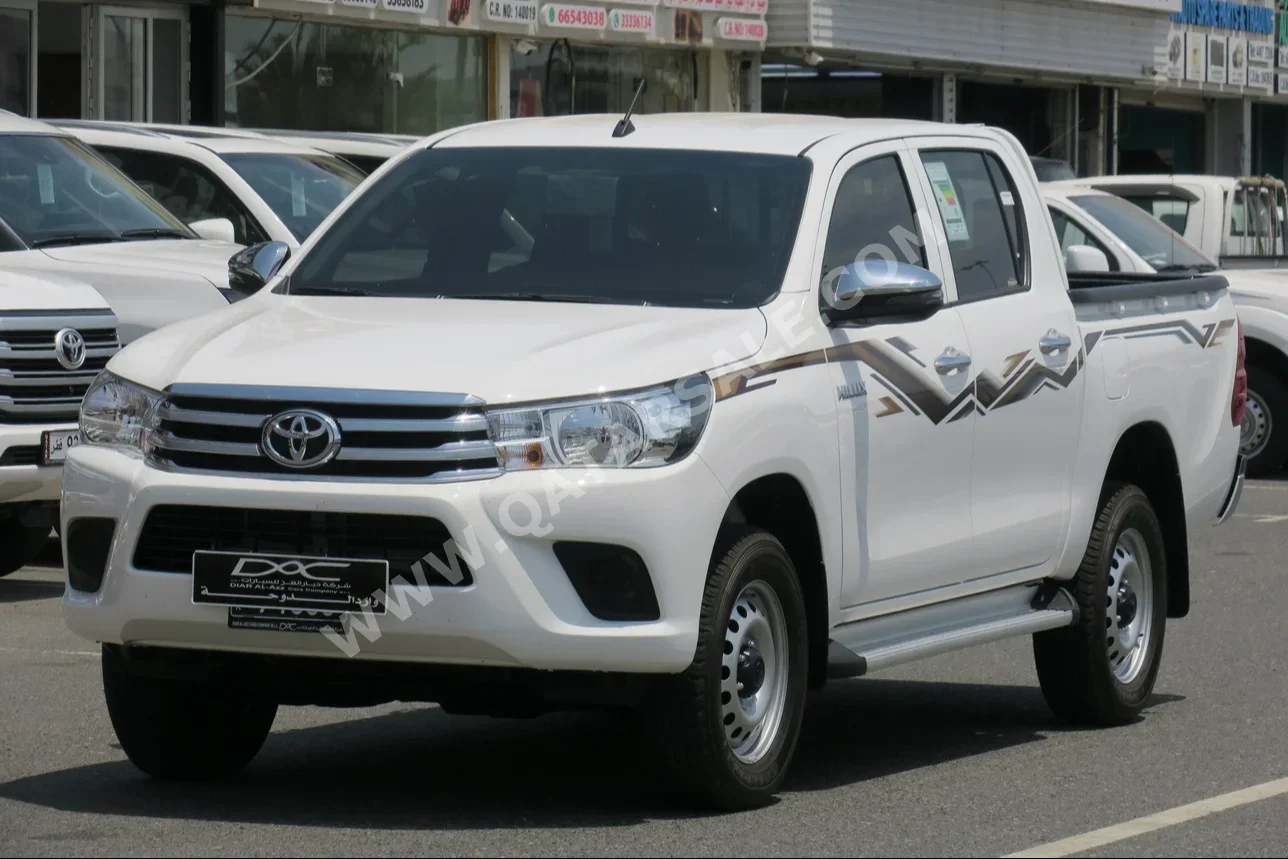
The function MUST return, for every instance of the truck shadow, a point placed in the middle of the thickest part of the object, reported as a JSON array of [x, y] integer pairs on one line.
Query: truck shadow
[[422, 769]]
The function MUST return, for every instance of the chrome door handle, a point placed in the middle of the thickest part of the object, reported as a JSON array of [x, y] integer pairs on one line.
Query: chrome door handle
[[951, 361], [1054, 343]]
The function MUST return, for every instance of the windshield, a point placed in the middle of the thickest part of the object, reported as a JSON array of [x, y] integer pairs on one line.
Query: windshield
[[55, 190], [300, 189], [1153, 241], [622, 226]]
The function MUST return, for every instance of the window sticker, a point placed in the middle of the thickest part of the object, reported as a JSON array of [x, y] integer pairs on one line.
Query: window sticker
[[1007, 199], [299, 204], [45, 178], [950, 206]]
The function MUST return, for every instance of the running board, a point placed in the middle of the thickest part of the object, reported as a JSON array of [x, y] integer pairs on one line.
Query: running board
[[888, 640]]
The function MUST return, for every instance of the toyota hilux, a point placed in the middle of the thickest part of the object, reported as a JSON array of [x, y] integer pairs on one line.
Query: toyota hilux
[[744, 405]]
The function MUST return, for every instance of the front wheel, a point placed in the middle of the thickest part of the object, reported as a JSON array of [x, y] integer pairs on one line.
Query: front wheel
[[1102, 670], [174, 728], [731, 721]]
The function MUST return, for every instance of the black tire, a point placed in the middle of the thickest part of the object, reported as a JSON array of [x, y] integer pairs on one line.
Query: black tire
[[1074, 663], [183, 729], [1272, 394], [694, 749], [19, 544]]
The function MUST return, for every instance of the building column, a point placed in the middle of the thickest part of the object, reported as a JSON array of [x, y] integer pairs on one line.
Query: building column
[[500, 83], [946, 98], [722, 81]]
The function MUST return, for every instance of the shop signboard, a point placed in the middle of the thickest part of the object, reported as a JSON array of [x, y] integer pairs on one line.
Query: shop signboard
[[511, 11], [1237, 62], [1176, 55], [1259, 78], [1216, 60], [414, 7], [748, 7], [1282, 88], [574, 17], [1196, 59], [630, 21], [1261, 52], [742, 29]]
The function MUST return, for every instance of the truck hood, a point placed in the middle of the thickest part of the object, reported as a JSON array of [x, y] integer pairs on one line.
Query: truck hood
[[148, 284], [502, 351], [48, 292]]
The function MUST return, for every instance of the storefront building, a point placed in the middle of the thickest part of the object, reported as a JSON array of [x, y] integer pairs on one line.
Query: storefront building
[[123, 61], [1212, 106], [392, 66], [1045, 70]]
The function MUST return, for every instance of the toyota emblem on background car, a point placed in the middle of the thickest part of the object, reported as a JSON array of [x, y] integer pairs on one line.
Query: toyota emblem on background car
[[69, 348], [301, 438]]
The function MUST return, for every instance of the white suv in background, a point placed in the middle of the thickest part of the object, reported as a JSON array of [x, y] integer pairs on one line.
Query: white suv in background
[[267, 189]]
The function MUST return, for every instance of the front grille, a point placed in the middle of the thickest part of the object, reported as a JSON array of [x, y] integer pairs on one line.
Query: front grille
[[25, 454], [383, 434], [173, 532], [34, 387]]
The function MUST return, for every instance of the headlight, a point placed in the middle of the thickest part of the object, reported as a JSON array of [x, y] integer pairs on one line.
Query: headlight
[[116, 412], [633, 430]]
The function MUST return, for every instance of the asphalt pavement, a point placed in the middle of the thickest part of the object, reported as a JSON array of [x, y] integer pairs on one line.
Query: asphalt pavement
[[953, 756]]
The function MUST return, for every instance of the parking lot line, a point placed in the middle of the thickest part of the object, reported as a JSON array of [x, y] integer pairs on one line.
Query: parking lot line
[[1154, 822]]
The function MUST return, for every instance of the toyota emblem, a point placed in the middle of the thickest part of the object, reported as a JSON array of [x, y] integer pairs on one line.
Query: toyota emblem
[[69, 348], [301, 438]]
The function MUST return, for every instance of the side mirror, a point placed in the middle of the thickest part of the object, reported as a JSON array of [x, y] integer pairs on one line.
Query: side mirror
[[869, 290], [1084, 259], [252, 267], [216, 229]]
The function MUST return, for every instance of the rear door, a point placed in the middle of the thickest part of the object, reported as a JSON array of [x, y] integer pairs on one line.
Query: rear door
[[1024, 347], [906, 427]]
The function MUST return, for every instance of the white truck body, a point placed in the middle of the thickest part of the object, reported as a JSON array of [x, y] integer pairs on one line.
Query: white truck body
[[62, 212], [935, 474], [56, 335], [1259, 295]]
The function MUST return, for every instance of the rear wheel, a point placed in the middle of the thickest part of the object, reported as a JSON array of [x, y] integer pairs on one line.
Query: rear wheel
[[175, 728], [19, 544], [731, 721], [1102, 670], [1263, 435]]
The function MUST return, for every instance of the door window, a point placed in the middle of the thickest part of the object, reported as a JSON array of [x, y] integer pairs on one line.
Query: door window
[[1070, 233], [143, 56], [187, 189], [872, 218], [980, 210]]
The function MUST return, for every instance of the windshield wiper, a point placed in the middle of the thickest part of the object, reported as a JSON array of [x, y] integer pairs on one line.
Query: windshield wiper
[[329, 290], [76, 239], [155, 233]]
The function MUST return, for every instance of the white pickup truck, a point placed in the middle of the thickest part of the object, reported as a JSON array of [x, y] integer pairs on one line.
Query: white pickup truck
[[1238, 221], [764, 401], [55, 337], [1130, 240]]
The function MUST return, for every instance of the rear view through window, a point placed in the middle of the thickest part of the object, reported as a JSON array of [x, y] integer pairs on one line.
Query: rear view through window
[[300, 189], [629, 226]]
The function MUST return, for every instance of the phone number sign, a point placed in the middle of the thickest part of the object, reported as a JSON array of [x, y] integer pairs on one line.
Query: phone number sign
[[576, 17], [628, 21]]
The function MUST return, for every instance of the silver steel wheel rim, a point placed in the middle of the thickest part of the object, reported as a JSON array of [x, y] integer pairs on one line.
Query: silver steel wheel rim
[[753, 672], [1254, 432], [1129, 613]]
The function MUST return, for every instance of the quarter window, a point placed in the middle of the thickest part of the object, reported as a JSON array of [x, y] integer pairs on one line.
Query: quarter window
[[980, 210]]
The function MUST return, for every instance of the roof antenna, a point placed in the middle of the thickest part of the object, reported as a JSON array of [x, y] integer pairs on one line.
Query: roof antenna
[[625, 126]]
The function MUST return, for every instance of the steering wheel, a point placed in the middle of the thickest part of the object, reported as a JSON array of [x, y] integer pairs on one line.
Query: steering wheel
[[91, 175]]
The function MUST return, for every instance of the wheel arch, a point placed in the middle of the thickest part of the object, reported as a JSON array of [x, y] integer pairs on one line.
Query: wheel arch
[[1146, 457], [780, 504]]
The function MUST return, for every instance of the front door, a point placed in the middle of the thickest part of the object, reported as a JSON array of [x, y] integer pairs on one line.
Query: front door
[[903, 394], [1025, 346], [142, 64]]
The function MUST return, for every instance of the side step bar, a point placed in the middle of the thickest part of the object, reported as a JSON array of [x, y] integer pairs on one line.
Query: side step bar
[[883, 642]]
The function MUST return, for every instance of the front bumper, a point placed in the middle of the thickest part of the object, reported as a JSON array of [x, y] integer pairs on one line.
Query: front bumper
[[521, 610], [21, 483]]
